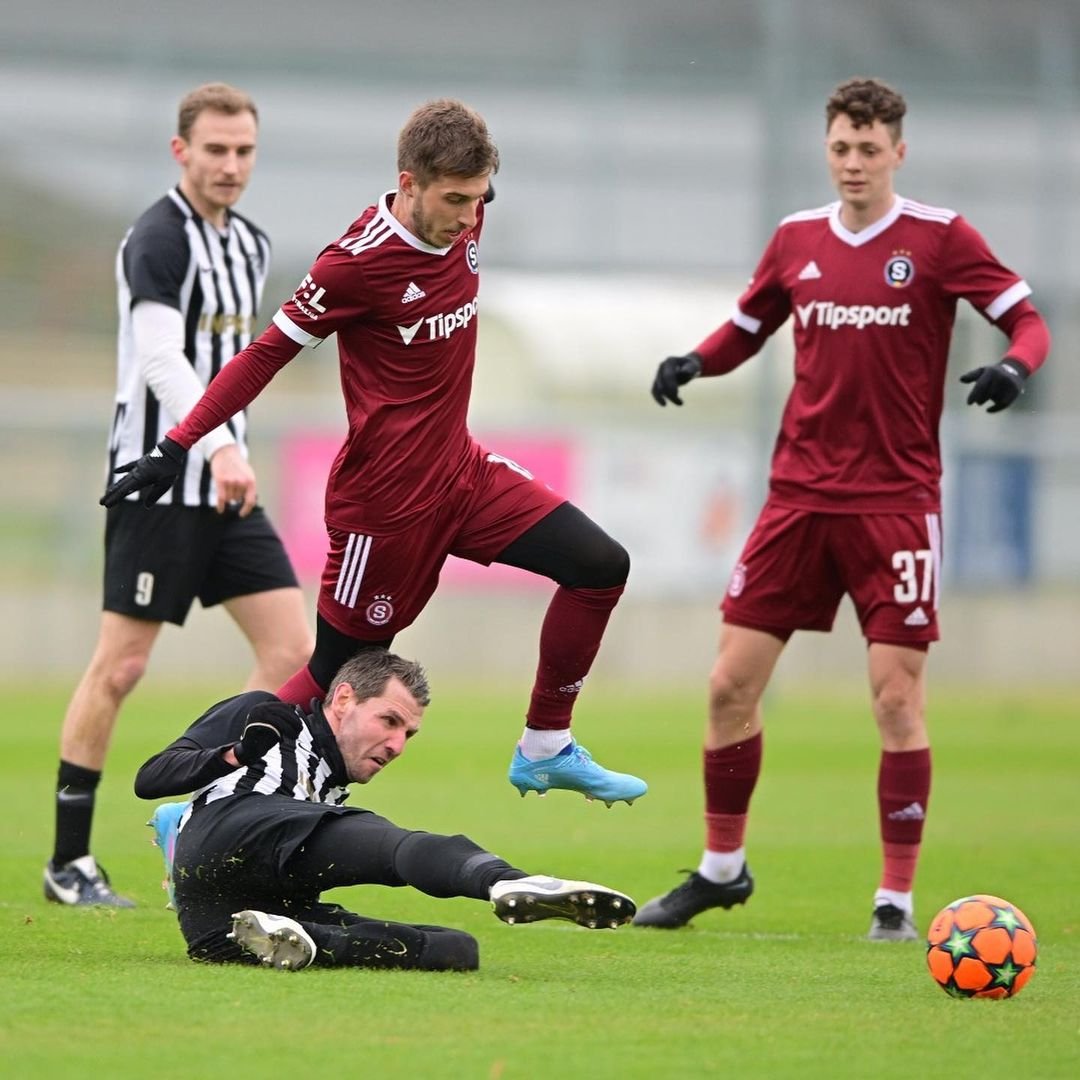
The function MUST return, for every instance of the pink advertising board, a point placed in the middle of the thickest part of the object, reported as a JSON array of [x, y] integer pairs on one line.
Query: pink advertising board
[[305, 465]]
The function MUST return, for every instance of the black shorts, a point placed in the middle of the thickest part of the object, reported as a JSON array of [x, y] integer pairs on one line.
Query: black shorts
[[239, 845], [159, 558], [233, 853]]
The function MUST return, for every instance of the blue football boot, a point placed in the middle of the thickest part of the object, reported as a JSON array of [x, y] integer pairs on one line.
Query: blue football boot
[[165, 822], [574, 770]]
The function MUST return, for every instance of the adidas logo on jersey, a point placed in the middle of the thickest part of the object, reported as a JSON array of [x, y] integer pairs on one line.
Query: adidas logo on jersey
[[412, 293], [917, 618], [809, 272], [911, 812]]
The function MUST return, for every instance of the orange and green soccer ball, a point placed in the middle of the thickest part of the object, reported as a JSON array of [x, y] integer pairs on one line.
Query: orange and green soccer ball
[[981, 946]]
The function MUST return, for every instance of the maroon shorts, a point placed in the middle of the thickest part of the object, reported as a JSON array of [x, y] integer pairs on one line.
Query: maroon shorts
[[797, 565], [375, 586]]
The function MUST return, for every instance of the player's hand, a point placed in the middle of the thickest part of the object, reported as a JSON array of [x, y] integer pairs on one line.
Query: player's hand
[[152, 474], [672, 373], [1000, 384], [268, 723], [234, 480]]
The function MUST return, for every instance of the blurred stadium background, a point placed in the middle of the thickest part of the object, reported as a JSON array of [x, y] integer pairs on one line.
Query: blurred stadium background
[[648, 151]]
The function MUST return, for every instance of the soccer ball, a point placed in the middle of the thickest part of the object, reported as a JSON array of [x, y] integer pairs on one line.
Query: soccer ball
[[981, 946]]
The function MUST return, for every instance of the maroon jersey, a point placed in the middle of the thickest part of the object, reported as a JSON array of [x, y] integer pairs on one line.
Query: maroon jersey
[[873, 317], [405, 316]]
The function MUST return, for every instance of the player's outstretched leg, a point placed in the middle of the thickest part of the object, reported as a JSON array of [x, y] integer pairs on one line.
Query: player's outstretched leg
[[276, 941], [695, 895], [165, 821], [574, 770], [530, 899], [330, 936]]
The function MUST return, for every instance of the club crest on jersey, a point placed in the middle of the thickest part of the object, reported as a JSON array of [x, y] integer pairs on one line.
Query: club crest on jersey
[[472, 256], [899, 270], [380, 611], [738, 580]]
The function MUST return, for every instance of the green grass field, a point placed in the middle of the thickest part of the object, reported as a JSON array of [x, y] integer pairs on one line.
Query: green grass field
[[786, 986]]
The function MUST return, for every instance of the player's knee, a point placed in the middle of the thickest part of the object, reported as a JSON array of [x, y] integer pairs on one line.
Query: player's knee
[[616, 565], [283, 659], [449, 950], [730, 690], [119, 676], [898, 716], [298, 651], [604, 564]]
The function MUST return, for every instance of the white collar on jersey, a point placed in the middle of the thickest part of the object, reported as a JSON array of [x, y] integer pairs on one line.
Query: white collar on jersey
[[190, 212], [864, 236], [387, 215]]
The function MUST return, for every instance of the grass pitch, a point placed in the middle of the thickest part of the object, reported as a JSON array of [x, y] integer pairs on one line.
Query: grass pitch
[[786, 986]]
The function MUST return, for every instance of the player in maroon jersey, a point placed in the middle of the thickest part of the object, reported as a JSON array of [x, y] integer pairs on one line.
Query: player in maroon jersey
[[854, 504], [410, 485]]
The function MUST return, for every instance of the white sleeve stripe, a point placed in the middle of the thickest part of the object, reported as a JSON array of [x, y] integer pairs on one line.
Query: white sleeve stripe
[[1013, 295], [745, 322], [291, 330]]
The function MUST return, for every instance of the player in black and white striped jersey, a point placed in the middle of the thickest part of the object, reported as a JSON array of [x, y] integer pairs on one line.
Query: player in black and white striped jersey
[[190, 274], [266, 834], [181, 279]]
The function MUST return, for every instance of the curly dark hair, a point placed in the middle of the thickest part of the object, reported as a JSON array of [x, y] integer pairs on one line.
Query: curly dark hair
[[864, 101]]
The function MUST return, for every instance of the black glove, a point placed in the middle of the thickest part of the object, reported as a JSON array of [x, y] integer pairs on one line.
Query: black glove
[[1002, 384], [155, 472], [672, 373], [268, 723]]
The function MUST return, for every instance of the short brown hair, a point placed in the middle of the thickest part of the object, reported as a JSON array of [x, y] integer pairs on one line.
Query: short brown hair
[[446, 138], [867, 100], [370, 670], [221, 97]]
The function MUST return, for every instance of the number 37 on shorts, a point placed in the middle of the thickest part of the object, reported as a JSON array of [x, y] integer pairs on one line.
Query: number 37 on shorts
[[797, 565]]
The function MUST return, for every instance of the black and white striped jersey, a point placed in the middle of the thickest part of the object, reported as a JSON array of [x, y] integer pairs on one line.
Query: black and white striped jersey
[[215, 280], [310, 768]]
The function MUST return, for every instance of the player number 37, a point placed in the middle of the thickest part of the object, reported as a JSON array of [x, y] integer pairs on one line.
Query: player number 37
[[915, 570]]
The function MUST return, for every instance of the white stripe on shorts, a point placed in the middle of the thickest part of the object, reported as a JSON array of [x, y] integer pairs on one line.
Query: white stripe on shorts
[[933, 532], [357, 549]]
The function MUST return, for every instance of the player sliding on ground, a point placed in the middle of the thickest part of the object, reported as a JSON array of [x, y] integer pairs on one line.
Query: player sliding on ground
[[265, 834], [410, 485]]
